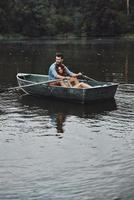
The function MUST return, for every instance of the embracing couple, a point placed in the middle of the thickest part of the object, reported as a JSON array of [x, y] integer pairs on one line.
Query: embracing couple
[[66, 78]]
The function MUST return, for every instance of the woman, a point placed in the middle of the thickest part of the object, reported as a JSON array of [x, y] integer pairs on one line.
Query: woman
[[69, 81]]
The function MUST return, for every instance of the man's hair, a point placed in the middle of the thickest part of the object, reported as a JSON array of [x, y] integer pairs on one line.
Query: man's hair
[[58, 54]]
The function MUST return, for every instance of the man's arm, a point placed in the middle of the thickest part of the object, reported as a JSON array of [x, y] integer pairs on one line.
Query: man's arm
[[71, 73]]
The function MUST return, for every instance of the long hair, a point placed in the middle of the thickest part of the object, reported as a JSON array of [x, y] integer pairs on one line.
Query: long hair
[[63, 69]]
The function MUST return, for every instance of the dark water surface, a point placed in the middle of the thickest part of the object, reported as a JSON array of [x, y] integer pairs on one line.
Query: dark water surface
[[56, 150]]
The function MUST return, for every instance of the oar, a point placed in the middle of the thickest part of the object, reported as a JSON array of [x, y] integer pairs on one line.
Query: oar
[[88, 78], [29, 85]]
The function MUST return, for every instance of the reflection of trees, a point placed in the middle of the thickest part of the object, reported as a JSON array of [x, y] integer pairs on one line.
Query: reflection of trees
[[126, 69], [116, 61], [127, 7]]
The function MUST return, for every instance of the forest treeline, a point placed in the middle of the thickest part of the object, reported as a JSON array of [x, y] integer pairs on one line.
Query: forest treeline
[[37, 18]]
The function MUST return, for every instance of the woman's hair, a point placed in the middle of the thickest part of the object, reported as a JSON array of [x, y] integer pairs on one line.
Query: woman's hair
[[62, 67]]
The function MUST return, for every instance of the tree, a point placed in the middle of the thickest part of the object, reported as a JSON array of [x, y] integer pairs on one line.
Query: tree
[[103, 17], [52, 17]]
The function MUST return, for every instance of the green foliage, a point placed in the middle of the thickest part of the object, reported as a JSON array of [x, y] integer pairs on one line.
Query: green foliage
[[53, 17], [105, 17]]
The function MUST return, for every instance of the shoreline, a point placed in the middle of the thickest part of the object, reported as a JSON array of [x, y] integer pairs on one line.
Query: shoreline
[[18, 37]]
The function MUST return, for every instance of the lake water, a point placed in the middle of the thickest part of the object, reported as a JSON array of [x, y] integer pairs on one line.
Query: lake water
[[56, 150]]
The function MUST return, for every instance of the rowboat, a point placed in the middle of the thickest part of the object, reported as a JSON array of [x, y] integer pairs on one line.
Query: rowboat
[[39, 85]]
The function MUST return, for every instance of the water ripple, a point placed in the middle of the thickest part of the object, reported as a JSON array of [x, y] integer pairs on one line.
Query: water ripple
[[89, 156]]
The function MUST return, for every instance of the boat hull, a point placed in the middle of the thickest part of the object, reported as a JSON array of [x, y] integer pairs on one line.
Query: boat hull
[[97, 92]]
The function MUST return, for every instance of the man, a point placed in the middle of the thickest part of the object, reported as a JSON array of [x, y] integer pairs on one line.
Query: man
[[59, 71], [59, 62]]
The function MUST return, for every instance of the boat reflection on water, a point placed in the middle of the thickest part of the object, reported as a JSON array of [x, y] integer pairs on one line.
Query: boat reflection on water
[[58, 111]]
